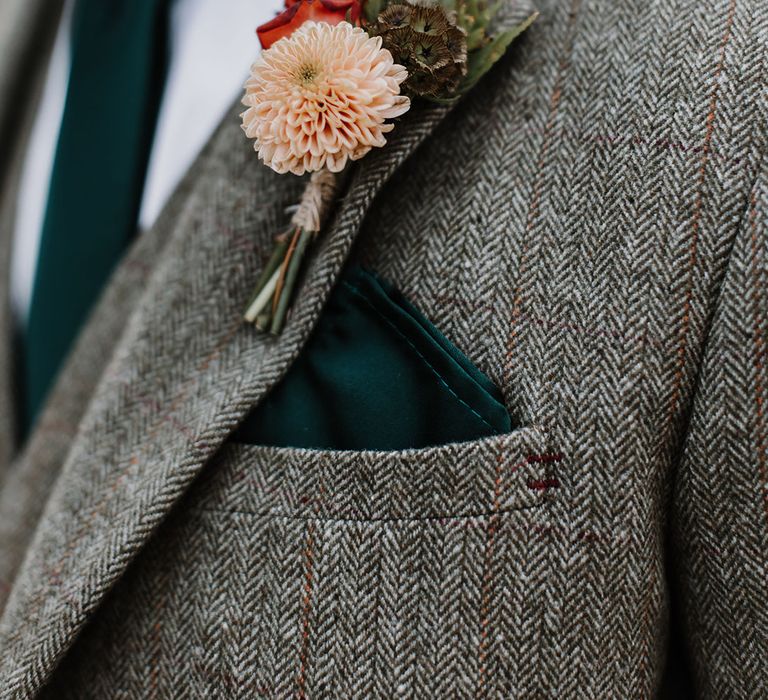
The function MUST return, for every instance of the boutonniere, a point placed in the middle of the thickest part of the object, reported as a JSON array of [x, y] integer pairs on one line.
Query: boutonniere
[[333, 77]]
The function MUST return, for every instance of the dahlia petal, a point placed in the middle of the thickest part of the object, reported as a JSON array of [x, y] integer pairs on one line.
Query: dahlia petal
[[322, 97]]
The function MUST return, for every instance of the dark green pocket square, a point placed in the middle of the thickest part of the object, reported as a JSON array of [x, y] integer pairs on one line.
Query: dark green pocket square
[[376, 375]]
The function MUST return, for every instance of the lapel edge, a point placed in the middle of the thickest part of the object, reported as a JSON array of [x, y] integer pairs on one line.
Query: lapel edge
[[22, 91], [29, 661]]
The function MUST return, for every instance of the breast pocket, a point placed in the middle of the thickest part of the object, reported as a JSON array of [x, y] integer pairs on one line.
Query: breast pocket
[[379, 574], [376, 374]]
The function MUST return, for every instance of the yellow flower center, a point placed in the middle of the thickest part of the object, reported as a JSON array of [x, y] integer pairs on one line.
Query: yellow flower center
[[307, 74]]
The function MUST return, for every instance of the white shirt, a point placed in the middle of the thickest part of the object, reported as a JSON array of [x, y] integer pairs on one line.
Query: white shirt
[[213, 44]]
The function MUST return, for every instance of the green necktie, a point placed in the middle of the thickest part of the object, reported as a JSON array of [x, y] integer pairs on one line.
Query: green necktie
[[115, 84]]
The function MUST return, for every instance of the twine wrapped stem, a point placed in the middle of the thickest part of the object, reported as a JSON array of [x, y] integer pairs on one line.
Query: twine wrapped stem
[[271, 299]]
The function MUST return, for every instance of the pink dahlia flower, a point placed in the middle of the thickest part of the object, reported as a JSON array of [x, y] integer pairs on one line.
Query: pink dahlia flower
[[322, 97]]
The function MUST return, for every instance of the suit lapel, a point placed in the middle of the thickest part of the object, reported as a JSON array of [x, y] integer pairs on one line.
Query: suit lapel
[[26, 35], [184, 374], [33, 472], [7, 401], [26, 27]]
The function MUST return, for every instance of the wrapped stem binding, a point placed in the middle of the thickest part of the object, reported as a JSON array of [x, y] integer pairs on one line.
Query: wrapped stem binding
[[270, 302]]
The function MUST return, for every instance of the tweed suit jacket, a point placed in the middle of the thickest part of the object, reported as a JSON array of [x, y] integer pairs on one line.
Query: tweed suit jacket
[[589, 227]]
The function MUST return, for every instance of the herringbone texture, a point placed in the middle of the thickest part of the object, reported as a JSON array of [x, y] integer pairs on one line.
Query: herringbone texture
[[366, 561], [721, 498], [590, 228]]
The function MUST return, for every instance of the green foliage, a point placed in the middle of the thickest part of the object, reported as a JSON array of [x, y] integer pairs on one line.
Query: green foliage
[[373, 8], [475, 16], [482, 59]]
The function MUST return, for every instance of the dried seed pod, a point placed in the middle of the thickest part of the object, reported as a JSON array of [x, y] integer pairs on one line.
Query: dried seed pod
[[425, 39]]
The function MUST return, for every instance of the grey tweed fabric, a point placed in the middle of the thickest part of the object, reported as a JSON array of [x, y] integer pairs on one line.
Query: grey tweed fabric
[[590, 228]]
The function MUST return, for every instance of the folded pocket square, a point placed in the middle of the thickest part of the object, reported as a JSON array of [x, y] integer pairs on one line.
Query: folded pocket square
[[376, 375]]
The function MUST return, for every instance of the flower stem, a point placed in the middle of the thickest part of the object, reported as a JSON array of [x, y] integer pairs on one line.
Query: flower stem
[[284, 268], [270, 301], [263, 298], [275, 261], [286, 292], [264, 320]]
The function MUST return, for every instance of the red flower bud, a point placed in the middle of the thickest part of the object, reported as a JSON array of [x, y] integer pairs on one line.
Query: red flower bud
[[299, 11]]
